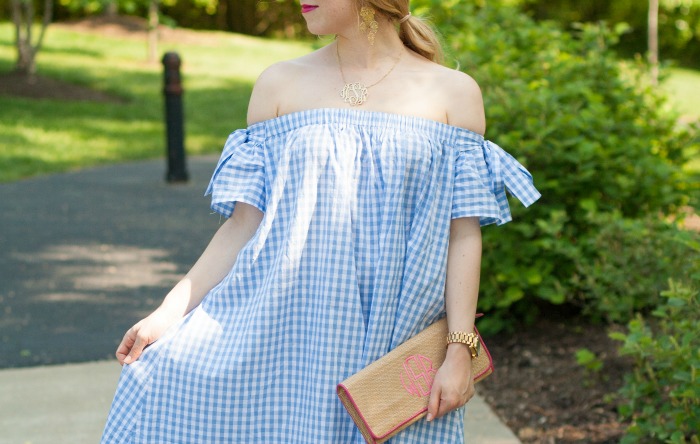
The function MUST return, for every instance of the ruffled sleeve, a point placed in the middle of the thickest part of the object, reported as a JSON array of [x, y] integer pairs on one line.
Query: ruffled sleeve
[[240, 174], [483, 173]]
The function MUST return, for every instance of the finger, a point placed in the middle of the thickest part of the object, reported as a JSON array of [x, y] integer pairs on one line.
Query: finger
[[136, 350], [434, 402], [124, 347], [121, 355], [122, 352], [470, 392]]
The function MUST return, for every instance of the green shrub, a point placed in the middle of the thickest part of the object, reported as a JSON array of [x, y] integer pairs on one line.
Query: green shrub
[[629, 262], [662, 393], [596, 135]]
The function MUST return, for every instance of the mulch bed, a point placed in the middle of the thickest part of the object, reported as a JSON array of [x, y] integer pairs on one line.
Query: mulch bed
[[544, 395]]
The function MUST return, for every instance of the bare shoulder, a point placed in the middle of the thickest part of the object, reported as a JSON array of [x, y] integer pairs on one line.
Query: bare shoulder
[[463, 101], [272, 86], [263, 104]]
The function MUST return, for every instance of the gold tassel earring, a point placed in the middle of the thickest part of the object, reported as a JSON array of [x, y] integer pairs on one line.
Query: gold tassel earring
[[369, 24]]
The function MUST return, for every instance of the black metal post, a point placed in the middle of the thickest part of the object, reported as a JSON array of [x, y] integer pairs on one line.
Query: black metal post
[[173, 119]]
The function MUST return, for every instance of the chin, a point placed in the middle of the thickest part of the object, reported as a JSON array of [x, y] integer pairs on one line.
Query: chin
[[316, 32], [318, 29]]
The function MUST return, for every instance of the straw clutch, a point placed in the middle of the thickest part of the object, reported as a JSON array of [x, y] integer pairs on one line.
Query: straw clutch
[[393, 392]]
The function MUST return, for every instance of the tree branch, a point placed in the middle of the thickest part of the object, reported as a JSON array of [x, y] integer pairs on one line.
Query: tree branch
[[48, 16]]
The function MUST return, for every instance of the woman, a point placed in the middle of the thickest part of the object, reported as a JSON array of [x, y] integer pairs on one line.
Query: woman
[[354, 202]]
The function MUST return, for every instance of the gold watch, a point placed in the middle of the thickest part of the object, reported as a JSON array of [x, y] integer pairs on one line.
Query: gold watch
[[471, 340]]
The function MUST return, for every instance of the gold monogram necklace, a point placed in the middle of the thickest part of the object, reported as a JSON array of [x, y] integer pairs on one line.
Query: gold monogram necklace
[[356, 93]]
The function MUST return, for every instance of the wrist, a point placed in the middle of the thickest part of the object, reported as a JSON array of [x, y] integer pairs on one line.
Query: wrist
[[178, 302], [458, 351]]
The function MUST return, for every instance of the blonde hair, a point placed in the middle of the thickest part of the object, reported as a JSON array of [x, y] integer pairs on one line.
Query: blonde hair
[[415, 33]]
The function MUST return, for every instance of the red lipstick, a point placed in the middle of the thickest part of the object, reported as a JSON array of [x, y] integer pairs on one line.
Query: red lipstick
[[307, 8]]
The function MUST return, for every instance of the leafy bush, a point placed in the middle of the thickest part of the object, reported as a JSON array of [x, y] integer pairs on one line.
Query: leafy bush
[[663, 391], [596, 135], [629, 263]]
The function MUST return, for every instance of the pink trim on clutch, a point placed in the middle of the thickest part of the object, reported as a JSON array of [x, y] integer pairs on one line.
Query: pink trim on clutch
[[490, 369], [364, 421]]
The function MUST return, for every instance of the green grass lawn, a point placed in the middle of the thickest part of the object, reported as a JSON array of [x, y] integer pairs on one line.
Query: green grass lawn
[[40, 136], [683, 86]]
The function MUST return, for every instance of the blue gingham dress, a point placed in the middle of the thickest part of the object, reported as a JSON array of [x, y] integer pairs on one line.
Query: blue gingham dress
[[348, 262]]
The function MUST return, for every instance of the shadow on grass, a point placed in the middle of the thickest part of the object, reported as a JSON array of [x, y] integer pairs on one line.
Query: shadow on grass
[[14, 84], [72, 50]]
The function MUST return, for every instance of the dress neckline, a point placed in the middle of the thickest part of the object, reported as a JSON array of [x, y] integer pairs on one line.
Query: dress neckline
[[349, 116]]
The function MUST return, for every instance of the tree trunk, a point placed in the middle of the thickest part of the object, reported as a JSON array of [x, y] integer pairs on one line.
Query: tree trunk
[[242, 16], [222, 15], [153, 22], [653, 33], [23, 19], [21, 15], [111, 9]]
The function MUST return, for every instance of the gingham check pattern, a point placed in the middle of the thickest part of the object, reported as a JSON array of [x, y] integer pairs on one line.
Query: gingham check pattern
[[348, 262]]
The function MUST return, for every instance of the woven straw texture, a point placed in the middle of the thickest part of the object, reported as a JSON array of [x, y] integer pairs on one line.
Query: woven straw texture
[[393, 392]]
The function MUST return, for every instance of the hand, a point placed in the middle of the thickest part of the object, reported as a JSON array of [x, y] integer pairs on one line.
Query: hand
[[453, 385], [142, 334]]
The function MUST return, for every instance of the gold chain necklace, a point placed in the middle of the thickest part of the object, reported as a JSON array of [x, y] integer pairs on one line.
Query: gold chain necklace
[[355, 93]]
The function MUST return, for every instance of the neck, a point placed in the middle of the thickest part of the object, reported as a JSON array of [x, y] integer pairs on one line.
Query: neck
[[357, 53]]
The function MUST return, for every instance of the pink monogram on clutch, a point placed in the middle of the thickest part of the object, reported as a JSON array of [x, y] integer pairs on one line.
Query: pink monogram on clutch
[[392, 393]]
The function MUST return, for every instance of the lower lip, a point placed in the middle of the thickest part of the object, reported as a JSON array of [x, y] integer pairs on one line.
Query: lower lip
[[307, 8]]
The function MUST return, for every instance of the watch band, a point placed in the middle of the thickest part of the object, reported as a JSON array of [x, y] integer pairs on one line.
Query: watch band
[[471, 340]]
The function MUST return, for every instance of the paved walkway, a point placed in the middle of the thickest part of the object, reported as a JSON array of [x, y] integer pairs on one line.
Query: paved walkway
[[82, 256]]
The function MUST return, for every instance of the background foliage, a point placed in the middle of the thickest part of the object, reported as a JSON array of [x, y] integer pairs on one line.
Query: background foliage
[[679, 22], [630, 263], [272, 18], [661, 396]]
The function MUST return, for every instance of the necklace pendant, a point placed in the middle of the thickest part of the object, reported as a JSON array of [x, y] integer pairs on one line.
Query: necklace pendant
[[354, 93]]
